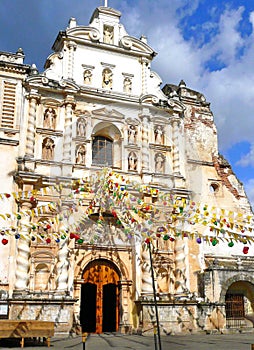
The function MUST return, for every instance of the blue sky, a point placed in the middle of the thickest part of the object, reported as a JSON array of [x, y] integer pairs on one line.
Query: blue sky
[[207, 43]]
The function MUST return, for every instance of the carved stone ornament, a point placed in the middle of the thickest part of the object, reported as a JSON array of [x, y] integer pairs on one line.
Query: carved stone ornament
[[81, 127], [107, 78], [132, 161], [49, 120], [80, 154], [48, 147]]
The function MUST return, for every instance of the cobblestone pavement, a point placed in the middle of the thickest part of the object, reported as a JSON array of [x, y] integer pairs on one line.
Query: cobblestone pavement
[[135, 342]]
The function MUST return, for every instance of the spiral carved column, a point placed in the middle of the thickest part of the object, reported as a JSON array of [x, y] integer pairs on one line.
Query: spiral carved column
[[176, 155], [147, 286], [23, 256], [69, 106], [144, 63], [62, 266], [72, 47], [145, 144], [180, 267], [33, 98]]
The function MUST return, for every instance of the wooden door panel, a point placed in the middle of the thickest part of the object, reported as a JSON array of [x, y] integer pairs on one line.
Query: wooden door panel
[[104, 275], [88, 307]]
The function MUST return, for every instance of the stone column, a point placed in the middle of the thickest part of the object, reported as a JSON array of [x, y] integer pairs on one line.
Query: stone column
[[67, 140], [72, 48], [175, 151], [125, 302], [117, 152], [33, 101], [146, 286], [180, 267], [62, 265], [23, 251], [144, 63], [145, 143]]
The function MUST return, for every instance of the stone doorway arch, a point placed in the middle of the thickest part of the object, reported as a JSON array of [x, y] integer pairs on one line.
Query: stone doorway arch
[[239, 304], [99, 310]]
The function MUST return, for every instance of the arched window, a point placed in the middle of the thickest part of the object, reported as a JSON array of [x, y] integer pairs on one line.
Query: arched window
[[102, 151]]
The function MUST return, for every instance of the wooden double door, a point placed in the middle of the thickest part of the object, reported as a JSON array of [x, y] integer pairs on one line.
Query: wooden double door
[[100, 298]]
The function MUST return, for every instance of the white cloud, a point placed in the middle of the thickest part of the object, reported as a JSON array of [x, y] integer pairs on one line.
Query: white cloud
[[249, 186], [229, 89], [247, 159]]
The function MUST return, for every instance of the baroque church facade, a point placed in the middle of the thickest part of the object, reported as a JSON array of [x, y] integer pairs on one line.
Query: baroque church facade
[[98, 161]]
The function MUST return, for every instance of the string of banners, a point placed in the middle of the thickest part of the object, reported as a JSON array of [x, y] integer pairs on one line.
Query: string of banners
[[140, 211]]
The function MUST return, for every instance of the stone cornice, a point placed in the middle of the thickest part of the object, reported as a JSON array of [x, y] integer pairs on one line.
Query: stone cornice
[[49, 132], [9, 142], [159, 147]]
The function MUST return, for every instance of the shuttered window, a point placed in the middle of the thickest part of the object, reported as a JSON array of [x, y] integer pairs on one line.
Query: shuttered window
[[8, 105]]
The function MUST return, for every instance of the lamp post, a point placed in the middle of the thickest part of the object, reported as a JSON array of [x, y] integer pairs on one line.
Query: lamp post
[[157, 336]]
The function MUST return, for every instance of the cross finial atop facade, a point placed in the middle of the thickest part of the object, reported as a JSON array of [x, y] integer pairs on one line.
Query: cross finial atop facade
[[106, 3]]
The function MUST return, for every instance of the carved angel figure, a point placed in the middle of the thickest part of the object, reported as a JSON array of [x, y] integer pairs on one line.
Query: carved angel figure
[[127, 85], [107, 78], [132, 161], [87, 77], [48, 147], [80, 154], [108, 35], [159, 162], [81, 127], [132, 132], [49, 121], [159, 134]]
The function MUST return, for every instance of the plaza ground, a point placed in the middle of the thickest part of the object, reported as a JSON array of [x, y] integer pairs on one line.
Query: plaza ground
[[118, 341]]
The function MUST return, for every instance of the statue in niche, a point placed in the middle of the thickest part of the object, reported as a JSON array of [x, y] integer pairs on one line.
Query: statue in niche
[[159, 163], [107, 78], [127, 85], [159, 134], [81, 127], [132, 161], [163, 281], [132, 133], [80, 154], [49, 121], [108, 35], [48, 147], [87, 77]]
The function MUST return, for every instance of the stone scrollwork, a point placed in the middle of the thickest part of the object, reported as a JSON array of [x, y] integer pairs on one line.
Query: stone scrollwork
[[126, 42], [94, 34]]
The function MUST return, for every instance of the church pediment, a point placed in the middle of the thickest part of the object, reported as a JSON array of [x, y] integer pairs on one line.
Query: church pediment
[[151, 99], [176, 105], [42, 80], [84, 32], [108, 113], [131, 43]]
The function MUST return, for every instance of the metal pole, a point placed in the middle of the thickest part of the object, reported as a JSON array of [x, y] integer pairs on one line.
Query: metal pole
[[84, 339], [155, 300]]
